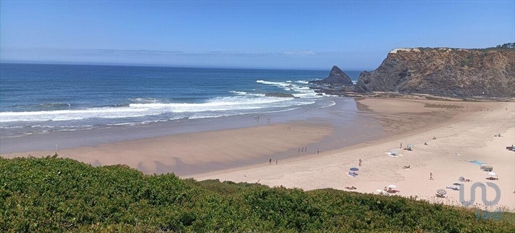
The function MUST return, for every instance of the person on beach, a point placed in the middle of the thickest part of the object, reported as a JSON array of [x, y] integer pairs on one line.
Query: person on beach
[[401, 145], [276, 161], [270, 161], [430, 176], [360, 162], [318, 151]]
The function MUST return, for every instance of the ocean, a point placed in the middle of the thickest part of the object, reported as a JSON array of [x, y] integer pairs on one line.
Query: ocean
[[45, 98]]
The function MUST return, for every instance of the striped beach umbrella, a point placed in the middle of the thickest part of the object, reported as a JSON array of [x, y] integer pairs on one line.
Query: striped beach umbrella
[[441, 192]]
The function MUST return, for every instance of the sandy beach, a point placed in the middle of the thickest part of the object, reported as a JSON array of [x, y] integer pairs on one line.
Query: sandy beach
[[272, 154], [464, 132]]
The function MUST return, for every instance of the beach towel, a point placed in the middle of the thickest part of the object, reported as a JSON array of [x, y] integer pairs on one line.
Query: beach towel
[[476, 162]]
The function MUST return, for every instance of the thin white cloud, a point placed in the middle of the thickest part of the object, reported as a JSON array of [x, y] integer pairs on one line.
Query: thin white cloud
[[43, 52], [300, 53]]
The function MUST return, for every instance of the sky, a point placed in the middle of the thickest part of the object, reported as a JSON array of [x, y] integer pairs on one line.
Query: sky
[[302, 34]]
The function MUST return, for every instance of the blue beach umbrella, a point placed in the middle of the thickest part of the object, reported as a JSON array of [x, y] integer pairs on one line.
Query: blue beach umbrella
[[354, 169]]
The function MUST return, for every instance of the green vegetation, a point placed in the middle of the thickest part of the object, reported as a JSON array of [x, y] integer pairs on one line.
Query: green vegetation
[[62, 195], [506, 46]]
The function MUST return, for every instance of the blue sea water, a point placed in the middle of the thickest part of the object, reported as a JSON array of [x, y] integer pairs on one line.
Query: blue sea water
[[45, 98]]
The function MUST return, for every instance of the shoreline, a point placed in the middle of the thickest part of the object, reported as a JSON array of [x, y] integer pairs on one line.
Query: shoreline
[[226, 154], [192, 147]]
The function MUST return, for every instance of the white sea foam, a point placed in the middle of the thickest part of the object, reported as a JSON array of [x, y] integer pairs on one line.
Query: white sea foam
[[241, 102], [239, 92], [219, 105], [297, 90], [279, 84], [144, 100]]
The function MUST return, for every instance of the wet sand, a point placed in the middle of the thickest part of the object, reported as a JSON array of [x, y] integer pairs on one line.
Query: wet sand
[[197, 146], [239, 148]]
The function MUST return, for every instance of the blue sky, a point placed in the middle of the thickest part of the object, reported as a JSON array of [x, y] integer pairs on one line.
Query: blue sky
[[309, 34]]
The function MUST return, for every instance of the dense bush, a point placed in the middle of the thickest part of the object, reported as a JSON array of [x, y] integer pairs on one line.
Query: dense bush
[[57, 195]]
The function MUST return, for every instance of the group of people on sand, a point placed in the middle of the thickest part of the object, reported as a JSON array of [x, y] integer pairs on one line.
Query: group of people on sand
[[354, 173], [404, 167], [256, 118], [305, 149], [270, 161]]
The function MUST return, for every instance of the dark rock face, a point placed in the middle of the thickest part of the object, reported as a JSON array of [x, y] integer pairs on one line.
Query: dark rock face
[[336, 77], [444, 72]]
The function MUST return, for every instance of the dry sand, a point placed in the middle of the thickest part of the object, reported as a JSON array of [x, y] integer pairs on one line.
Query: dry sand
[[467, 134], [464, 130]]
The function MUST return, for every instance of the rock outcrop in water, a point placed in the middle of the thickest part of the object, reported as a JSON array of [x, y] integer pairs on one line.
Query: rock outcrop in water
[[444, 72], [336, 77]]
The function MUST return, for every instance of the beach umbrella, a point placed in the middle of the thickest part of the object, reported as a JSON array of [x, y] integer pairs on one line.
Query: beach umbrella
[[492, 174], [392, 186], [462, 179], [354, 169], [441, 192]]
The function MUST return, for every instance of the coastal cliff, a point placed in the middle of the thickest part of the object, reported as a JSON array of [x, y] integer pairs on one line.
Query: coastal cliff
[[444, 72]]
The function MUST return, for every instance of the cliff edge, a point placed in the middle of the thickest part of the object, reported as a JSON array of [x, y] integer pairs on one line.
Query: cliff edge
[[444, 72]]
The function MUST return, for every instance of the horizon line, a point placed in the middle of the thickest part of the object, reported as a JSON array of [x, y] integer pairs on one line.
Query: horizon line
[[167, 66]]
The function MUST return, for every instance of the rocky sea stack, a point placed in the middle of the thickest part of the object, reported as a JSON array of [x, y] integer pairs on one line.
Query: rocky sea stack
[[444, 72], [336, 77]]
